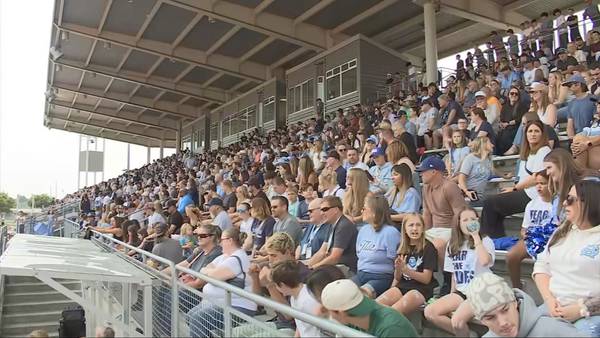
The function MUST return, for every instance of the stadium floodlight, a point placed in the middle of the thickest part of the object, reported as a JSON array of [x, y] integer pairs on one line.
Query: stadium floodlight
[[55, 53]]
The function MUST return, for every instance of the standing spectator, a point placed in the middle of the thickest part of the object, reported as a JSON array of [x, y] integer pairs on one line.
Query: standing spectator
[[592, 13], [284, 222], [340, 247], [376, 246], [513, 200], [546, 31], [442, 201], [567, 273], [347, 305], [581, 108], [573, 24], [513, 41]]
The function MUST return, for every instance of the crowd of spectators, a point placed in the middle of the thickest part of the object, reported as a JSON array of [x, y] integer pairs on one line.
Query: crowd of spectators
[[349, 216]]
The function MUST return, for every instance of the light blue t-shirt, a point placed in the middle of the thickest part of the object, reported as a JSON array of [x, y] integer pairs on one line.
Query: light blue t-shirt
[[376, 251], [581, 111], [456, 156], [383, 174], [410, 203], [478, 172]]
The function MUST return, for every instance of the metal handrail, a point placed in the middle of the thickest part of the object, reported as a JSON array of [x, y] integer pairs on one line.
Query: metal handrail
[[324, 324]]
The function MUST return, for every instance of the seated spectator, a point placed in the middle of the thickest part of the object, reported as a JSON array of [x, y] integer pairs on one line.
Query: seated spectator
[[510, 118], [540, 103], [567, 273], [262, 228], [164, 246], [231, 267], [306, 173], [376, 246], [175, 219], [298, 208], [229, 197], [116, 230], [468, 255], [553, 140], [381, 172], [353, 160], [475, 170], [328, 184], [346, 304], [187, 240], [334, 163], [340, 247], [284, 222], [586, 145], [357, 188], [402, 197], [442, 201], [219, 216], [415, 264], [538, 212], [481, 127], [286, 275], [581, 108], [397, 153], [450, 112], [184, 201], [426, 124], [370, 145], [510, 312], [157, 216], [246, 220], [513, 200], [457, 151], [315, 233], [256, 191]]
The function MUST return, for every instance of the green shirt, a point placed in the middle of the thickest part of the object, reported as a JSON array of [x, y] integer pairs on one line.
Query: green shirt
[[387, 322]]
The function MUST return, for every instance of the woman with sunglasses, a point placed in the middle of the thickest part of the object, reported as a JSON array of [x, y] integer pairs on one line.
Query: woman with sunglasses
[[513, 200], [231, 267], [246, 219], [510, 118], [568, 270]]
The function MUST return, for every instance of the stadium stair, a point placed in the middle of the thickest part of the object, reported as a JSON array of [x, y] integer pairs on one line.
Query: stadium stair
[[29, 304]]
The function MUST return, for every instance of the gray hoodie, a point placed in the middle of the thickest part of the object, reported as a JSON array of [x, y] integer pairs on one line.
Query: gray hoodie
[[532, 323]]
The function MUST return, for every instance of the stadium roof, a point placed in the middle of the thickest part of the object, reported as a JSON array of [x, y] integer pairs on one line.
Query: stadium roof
[[135, 70]]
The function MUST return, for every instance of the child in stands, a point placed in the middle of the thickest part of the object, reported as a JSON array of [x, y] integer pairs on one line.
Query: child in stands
[[416, 262], [187, 240], [538, 212], [468, 254]]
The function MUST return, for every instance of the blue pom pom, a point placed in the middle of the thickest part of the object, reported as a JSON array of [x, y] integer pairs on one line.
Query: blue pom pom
[[538, 237]]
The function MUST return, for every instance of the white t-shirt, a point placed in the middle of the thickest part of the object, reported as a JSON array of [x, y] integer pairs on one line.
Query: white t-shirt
[[336, 191], [156, 218], [217, 295], [423, 121], [246, 226], [537, 213], [465, 266], [306, 303], [223, 220], [533, 164]]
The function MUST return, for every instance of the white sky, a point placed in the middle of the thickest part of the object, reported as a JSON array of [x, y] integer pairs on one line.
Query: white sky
[[34, 159]]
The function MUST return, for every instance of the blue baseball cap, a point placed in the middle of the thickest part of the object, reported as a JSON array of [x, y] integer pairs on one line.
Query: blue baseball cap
[[432, 163], [377, 152], [574, 79], [373, 139]]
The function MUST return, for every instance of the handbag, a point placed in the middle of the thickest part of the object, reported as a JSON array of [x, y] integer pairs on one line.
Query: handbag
[[237, 281]]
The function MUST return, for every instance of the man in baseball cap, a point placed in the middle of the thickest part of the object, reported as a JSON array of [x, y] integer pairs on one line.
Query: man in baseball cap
[[442, 202], [511, 312], [349, 306]]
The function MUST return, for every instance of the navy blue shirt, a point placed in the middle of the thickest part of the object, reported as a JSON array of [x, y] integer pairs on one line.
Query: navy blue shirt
[[341, 177], [313, 238], [487, 127]]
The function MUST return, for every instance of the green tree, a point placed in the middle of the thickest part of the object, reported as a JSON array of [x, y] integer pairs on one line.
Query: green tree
[[41, 201], [6, 202], [22, 202]]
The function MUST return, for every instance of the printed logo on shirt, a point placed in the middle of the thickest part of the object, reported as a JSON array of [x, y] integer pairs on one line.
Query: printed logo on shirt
[[413, 263], [463, 269], [539, 217], [591, 251], [368, 246]]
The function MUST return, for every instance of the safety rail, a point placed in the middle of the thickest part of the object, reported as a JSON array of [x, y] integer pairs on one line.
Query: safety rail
[[172, 298]]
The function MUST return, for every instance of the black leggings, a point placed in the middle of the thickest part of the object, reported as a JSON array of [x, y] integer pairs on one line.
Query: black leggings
[[496, 208]]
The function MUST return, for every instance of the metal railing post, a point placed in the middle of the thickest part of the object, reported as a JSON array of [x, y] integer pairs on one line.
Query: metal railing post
[[227, 315], [174, 301]]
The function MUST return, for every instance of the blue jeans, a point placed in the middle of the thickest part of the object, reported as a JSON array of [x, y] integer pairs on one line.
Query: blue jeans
[[377, 282], [519, 136], [589, 326], [204, 321]]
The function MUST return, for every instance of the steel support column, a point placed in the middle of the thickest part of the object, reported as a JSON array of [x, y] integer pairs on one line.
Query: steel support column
[[431, 54], [178, 138]]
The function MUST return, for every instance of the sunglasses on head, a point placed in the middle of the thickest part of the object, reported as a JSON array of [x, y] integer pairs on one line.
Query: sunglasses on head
[[242, 210]]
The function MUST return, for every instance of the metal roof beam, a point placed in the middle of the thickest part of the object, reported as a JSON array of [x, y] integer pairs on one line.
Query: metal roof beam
[[107, 126], [100, 95], [400, 28], [486, 12], [222, 40], [456, 29], [186, 31], [251, 70], [365, 14], [306, 35], [288, 57], [256, 49], [519, 4], [104, 16], [262, 6], [204, 93], [312, 11], [107, 114]]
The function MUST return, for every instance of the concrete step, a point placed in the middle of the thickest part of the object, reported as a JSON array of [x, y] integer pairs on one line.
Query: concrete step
[[32, 317], [37, 296], [39, 286], [33, 306], [23, 329]]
